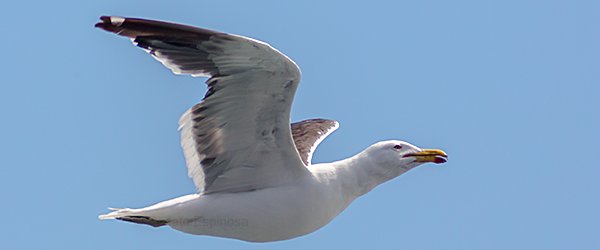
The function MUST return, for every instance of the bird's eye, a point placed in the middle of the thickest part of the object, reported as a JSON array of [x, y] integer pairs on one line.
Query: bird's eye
[[398, 147]]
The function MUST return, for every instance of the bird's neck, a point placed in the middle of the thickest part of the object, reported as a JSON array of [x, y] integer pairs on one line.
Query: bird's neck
[[359, 174]]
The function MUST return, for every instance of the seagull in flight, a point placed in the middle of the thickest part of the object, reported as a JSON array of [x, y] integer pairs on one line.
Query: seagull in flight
[[253, 172]]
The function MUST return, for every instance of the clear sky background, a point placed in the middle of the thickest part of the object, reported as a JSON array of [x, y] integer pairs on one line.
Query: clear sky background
[[509, 89]]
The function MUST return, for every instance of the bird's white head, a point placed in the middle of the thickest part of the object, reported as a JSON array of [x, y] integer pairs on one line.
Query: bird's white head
[[399, 154], [386, 160]]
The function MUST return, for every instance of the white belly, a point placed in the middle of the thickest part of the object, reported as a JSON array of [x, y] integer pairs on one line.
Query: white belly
[[264, 215]]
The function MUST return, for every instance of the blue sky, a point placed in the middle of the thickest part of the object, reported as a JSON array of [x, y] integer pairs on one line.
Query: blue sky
[[509, 89]]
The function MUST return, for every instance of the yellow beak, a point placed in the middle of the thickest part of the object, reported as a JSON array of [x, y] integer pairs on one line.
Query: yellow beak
[[429, 155]]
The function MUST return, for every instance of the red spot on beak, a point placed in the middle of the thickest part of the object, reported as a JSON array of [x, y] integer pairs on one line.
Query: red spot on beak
[[440, 159]]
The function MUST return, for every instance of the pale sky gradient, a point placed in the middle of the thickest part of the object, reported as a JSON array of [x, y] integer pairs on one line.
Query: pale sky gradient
[[509, 89]]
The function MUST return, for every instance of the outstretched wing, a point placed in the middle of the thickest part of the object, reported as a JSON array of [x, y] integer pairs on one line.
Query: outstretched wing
[[238, 137], [309, 133]]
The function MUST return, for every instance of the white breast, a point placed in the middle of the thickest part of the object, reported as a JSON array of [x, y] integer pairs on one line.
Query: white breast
[[270, 214]]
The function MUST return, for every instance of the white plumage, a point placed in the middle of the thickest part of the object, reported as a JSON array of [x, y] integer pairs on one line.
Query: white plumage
[[251, 167]]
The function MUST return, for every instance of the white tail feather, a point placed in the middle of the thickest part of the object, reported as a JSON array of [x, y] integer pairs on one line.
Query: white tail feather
[[118, 212], [159, 211]]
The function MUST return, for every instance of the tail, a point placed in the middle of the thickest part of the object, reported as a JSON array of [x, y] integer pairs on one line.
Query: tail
[[132, 215]]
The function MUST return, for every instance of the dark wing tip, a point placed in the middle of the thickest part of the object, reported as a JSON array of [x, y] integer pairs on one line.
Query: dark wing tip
[[144, 220], [134, 27], [104, 19], [110, 23]]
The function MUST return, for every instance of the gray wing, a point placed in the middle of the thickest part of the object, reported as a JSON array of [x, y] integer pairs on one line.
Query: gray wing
[[238, 137], [309, 133]]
